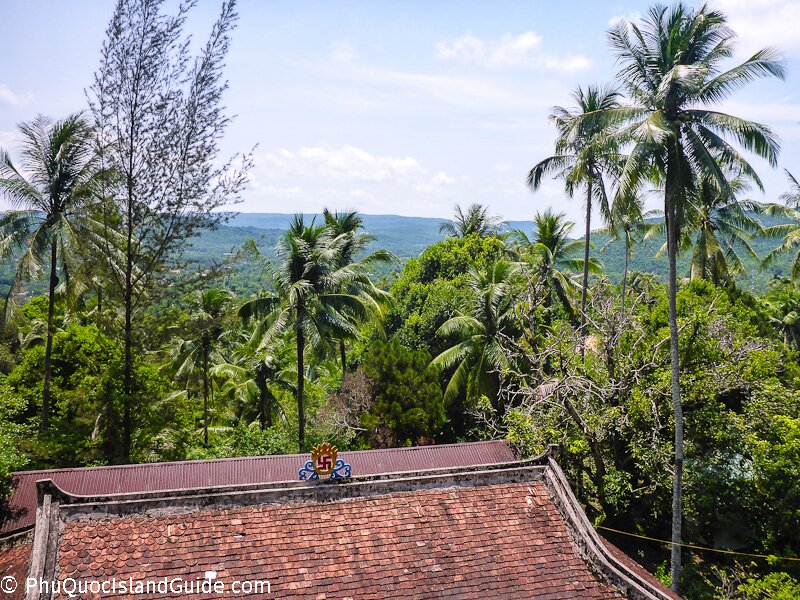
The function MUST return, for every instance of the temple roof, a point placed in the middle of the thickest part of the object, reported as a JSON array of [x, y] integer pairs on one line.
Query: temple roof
[[507, 529]]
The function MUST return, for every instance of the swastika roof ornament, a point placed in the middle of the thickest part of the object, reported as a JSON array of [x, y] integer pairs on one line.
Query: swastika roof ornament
[[324, 462]]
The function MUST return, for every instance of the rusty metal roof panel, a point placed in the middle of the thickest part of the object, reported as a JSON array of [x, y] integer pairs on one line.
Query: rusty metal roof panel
[[233, 471]]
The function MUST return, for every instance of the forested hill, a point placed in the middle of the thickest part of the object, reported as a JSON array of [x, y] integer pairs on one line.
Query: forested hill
[[407, 237], [404, 236]]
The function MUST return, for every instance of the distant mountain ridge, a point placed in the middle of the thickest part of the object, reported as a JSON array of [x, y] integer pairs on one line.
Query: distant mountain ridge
[[407, 237]]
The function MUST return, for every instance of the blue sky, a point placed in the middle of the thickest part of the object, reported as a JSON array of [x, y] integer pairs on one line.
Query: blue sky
[[393, 107]]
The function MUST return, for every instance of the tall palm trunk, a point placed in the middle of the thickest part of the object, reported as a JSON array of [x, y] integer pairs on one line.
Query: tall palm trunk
[[301, 417], [99, 315], [703, 257], [677, 487], [548, 321], [625, 267], [343, 356], [585, 287], [48, 353], [205, 392], [264, 419]]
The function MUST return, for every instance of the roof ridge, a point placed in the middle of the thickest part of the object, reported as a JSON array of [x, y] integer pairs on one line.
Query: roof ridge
[[298, 489], [237, 470], [254, 457]]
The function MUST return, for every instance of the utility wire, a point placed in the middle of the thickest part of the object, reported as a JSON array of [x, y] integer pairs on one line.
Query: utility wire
[[720, 550]]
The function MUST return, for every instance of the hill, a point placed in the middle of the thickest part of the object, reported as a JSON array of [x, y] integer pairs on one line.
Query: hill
[[407, 237]]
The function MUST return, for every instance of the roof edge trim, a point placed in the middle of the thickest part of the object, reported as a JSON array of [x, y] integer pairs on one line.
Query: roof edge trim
[[589, 544]]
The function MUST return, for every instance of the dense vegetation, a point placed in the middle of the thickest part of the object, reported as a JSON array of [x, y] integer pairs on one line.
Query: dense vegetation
[[672, 389]]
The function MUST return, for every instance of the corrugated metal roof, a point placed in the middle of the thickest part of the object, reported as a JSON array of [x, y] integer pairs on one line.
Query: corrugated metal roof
[[232, 471]]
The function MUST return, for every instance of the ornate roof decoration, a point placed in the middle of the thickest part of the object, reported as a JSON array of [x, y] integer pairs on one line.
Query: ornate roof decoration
[[324, 461]]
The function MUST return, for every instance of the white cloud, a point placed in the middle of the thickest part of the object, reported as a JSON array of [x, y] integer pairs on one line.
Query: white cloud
[[442, 178], [632, 17], [344, 52], [466, 48], [508, 51], [403, 90], [570, 64], [762, 23], [349, 176], [294, 190], [10, 98], [361, 195], [439, 185], [347, 163], [371, 88]]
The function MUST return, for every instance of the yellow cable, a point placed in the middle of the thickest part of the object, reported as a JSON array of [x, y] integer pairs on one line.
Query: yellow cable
[[652, 539]]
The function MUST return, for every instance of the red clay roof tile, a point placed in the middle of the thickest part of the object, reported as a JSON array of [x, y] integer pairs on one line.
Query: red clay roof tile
[[464, 542], [15, 555]]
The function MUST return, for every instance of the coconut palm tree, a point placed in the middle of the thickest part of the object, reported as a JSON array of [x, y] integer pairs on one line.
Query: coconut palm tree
[[313, 296], [626, 221], [553, 258], [355, 241], [478, 356], [722, 227], [790, 232], [476, 221], [781, 303], [50, 189], [207, 310], [584, 153], [255, 379], [672, 68]]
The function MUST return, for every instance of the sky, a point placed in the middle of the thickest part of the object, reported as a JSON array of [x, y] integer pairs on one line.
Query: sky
[[400, 108]]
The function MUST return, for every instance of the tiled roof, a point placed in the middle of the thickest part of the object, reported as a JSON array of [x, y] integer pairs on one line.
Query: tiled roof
[[637, 568], [95, 481], [15, 556], [504, 540], [509, 529]]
